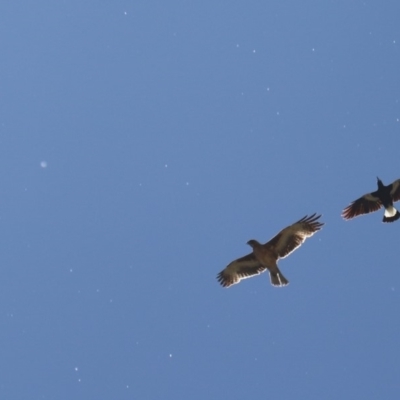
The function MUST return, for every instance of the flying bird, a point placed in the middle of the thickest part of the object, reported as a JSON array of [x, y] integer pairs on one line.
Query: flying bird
[[265, 256], [370, 202]]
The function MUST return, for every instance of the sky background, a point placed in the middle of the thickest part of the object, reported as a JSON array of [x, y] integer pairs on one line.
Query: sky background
[[143, 143]]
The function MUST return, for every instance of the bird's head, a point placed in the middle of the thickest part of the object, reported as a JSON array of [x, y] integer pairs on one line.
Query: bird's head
[[380, 184], [253, 243]]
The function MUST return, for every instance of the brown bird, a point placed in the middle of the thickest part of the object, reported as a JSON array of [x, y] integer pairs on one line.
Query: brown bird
[[265, 256], [370, 202]]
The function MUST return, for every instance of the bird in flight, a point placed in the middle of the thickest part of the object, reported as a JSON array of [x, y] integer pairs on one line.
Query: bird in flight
[[370, 202], [265, 256]]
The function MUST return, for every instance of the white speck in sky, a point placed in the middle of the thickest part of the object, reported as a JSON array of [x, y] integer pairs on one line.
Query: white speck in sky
[[170, 356], [267, 89], [166, 165], [313, 49], [125, 13], [254, 50], [71, 270], [237, 45], [43, 164], [277, 113], [187, 183], [76, 368]]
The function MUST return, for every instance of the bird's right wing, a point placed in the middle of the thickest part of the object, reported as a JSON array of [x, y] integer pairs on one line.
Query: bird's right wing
[[242, 268], [364, 205]]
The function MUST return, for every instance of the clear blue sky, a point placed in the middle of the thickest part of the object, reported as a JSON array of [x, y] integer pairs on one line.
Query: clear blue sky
[[142, 145]]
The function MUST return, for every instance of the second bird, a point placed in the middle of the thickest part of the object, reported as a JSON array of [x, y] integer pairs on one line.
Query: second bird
[[383, 197]]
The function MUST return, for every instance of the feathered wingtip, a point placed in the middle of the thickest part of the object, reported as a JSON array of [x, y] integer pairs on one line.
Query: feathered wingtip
[[312, 220], [221, 279], [349, 213]]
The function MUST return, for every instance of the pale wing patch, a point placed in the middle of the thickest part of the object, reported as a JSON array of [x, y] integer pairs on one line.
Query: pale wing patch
[[290, 242], [370, 197], [395, 192], [290, 238]]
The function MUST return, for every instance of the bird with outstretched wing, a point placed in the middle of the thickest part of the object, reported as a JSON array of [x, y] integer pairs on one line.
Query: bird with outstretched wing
[[385, 196], [265, 256]]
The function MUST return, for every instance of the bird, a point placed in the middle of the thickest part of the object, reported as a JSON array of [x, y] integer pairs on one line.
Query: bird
[[370, 202], [265, 256]]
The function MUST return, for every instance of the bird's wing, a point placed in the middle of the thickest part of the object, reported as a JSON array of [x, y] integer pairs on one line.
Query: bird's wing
[[395, 192], [368, 203], [293, 236], [242, 268]]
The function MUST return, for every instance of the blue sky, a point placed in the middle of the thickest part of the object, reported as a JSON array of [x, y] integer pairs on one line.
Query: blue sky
[[142, 145]]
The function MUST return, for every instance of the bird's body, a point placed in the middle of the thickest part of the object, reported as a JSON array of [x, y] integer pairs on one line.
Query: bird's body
[[370, 202], [265, 256]]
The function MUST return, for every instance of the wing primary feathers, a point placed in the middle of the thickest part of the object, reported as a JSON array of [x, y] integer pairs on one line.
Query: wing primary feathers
[[364, 205], [312, 221]]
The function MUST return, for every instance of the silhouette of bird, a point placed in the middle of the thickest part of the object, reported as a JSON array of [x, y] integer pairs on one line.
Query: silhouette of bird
[[370, 202], [265, 256]]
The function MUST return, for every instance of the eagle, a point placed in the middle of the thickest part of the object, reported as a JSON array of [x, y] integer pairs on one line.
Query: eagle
[[370, 202], [265, 256]]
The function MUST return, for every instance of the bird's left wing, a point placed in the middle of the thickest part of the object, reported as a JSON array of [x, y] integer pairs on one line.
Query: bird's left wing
[[242, 268], [293, 236], [395, 192]]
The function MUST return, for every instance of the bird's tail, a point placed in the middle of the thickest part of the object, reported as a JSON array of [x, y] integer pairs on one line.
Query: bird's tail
[[391, 214], [277, 279]]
